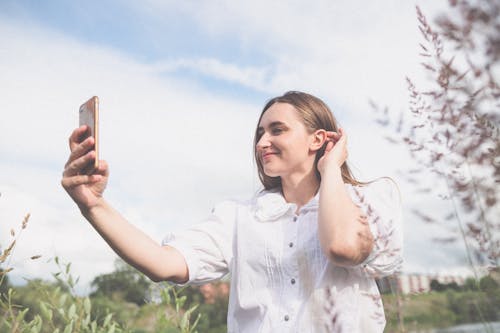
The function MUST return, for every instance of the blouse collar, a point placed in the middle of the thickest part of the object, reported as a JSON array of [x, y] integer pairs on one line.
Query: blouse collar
[[271, 205]]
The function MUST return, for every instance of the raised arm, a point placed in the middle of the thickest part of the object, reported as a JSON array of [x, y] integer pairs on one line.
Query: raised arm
[[344, 233], [156, 261]]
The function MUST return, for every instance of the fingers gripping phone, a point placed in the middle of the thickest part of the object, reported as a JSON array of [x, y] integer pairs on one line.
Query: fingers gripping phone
[[89, 115]]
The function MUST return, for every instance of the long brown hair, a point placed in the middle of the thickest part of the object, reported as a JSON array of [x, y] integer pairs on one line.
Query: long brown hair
[[316, 115]]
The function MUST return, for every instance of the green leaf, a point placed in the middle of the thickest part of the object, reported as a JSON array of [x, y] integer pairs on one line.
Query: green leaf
[[197, 320], [68, 267], [86, 321], [44, 310], [69, 327], [112, 328], [87, 305], [182, 301], [184, 324], [165, 295], [37, 324], [72, 311], [62, 299], [33, 330], [21, 314], [194, 307], [107, 320]]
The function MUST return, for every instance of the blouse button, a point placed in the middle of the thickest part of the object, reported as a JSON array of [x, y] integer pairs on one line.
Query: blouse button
[[295, 219], [292, 281], [287, 318], [290, 244]]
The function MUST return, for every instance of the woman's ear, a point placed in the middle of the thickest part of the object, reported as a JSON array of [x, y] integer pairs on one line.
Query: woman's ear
[[319, 137]]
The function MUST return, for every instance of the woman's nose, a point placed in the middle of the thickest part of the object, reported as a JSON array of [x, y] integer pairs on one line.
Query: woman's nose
[[263, 142]]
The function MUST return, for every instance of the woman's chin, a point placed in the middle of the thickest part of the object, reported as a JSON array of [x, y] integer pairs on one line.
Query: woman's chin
[[271, 173]]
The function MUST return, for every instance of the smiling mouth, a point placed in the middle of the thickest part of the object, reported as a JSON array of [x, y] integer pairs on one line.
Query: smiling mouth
[[266, 156]]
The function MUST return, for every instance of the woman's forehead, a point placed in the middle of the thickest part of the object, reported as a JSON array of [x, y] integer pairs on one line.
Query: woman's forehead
[[279, 112]]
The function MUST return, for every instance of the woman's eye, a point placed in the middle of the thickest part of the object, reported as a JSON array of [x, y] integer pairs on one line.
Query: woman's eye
[[277, 130]]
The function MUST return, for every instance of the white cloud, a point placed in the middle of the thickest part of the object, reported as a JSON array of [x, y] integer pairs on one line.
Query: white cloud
[[346, 51], [253, 77]]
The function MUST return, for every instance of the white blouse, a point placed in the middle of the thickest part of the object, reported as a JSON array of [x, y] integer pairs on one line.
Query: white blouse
[[281, 281]]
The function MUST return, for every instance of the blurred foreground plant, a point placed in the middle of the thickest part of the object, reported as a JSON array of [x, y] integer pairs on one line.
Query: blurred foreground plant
[[56, 307], [453, 131], [178, 319]]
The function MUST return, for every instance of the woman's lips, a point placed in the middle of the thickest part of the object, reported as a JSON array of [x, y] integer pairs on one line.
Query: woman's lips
[[267, 156]]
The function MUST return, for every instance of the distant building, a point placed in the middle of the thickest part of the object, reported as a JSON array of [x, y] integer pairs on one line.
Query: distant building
[[415, 283], [212, 291]]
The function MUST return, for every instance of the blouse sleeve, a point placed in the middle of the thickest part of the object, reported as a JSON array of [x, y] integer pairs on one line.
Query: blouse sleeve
[[381, 203], [207, 246]]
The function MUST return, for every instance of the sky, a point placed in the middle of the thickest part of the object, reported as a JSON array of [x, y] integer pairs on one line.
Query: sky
[[181, 86]]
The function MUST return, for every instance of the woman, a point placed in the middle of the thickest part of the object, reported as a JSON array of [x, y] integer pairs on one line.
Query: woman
[[302, 254]]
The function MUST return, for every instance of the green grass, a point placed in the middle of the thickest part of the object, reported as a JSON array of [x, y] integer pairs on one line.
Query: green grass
[[441, 309]]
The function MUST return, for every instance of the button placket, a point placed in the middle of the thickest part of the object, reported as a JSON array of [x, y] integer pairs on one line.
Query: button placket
[[292, 286], [291, 270], [294, 219]]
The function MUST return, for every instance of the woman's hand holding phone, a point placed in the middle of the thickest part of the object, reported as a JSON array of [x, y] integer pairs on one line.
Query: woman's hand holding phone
[[85, 189]]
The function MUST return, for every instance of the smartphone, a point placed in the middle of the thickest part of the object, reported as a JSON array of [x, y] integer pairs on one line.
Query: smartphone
[[89, 115]]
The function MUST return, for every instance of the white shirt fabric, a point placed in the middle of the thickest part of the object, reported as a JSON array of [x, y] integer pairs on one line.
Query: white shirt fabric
[[281, 281]]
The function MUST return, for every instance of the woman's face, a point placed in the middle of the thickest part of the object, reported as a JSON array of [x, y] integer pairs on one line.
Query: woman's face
[[283, 145]]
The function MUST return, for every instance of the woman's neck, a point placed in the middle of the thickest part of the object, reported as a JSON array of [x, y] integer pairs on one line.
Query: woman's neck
[[300, 189]]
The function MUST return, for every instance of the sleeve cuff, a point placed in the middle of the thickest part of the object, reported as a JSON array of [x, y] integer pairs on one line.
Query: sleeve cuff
[[189, 255]]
